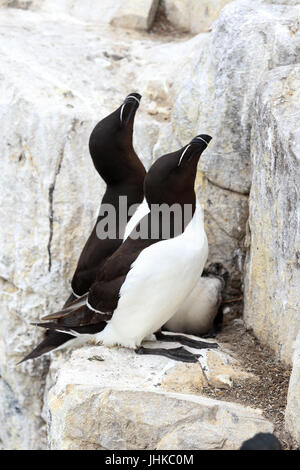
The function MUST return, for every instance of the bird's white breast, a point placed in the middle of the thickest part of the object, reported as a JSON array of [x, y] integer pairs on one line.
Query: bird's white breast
[[160, 279], [141, 211]]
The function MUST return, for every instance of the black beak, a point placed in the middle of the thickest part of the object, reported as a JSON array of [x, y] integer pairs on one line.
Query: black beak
[[200, 139], [129, 107], [197, 145]]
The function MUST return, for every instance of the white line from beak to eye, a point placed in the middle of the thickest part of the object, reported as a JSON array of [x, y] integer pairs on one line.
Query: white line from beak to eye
[[200, 138], [183, 154]]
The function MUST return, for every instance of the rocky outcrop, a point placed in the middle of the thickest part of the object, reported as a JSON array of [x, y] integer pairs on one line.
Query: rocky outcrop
[[222, 77], [193, 16], [292, 414], [132, 14], [21, 4], [185, 15], [93, 11], [135, 14], [216, 91], [113, 399], [272, 298], [77, 69]]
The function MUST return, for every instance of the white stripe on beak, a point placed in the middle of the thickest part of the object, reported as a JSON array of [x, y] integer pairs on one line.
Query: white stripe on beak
[[183, 155]]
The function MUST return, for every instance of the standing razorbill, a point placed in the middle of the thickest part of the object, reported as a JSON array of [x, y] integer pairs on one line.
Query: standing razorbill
[[140, 287], [115, 160], [201, 313], [117, 163]]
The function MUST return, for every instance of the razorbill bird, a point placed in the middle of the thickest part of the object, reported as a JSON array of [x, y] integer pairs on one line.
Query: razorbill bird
[[116, 161], [163, 271], [201, 313], [141, 286]]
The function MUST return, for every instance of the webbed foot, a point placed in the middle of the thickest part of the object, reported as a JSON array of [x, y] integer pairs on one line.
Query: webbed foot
[[185, 340], [177, 354]]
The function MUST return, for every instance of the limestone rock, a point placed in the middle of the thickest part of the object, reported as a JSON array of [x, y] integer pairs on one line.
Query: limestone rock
[[227, 430], [226, 214], [184, 378], [195, 16], [52, 94], [132, 14], [222, 76], [283, 2], [50, 191], [223, 371], [135, 14], [98, 12], [216, 369], [118, 403], [22, 4], [272, 298], [215, 92], [292, 413]]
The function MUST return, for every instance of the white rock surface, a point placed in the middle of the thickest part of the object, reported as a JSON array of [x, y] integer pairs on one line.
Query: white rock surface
[[283, 2], [215, 94], [132, 14], [118, 403], [99, 12], [272, 296], [135, 14], [194, 16], [72, 72], [22, 4], [292, 413], [222, 76]]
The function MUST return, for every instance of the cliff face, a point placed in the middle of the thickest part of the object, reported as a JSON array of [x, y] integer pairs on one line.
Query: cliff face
[[272, 301], [238, 83]]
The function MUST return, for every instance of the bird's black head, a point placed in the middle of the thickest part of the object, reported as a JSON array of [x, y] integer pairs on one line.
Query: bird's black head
[[171, 178], [111, 145]]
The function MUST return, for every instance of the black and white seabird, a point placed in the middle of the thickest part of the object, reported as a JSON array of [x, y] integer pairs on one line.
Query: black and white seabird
[[116, 161], [140, 287], [201, 313]]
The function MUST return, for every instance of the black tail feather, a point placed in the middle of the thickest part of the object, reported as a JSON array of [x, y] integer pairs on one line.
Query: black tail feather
[[52, 341], [81, 329]]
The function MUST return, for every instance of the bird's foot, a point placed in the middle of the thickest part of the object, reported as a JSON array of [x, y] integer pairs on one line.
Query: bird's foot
[[177, 354], [185, 340], [210, 334]]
